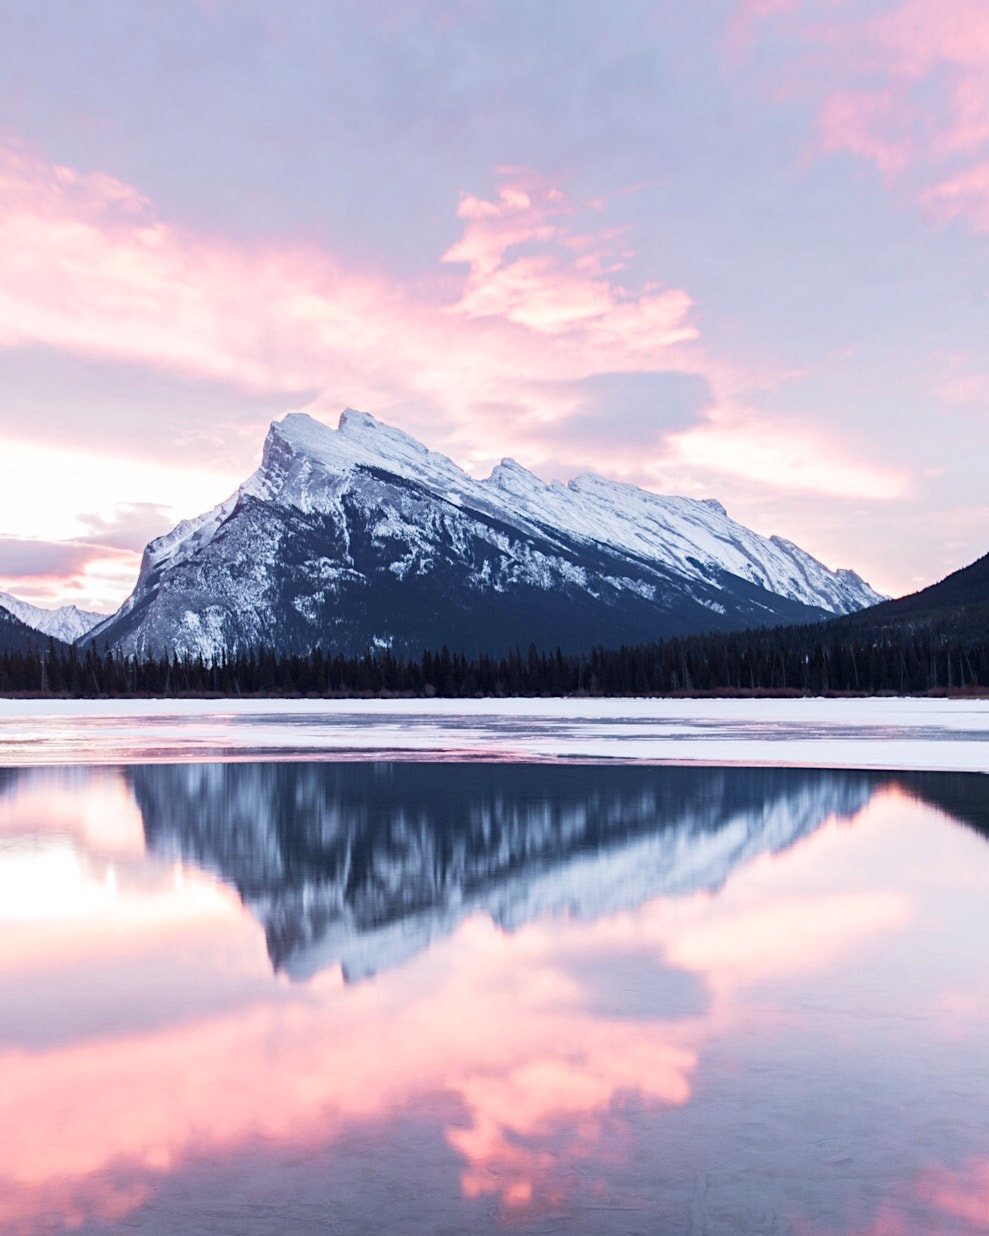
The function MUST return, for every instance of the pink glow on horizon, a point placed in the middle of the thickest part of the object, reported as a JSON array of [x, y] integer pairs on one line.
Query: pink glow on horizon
[[797, 458], [52, 554], [98, 583]]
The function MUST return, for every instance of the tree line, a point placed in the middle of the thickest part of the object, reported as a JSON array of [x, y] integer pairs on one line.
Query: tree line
[[812, 660]]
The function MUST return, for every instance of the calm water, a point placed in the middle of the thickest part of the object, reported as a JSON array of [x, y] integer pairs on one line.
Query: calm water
[[419, 997]]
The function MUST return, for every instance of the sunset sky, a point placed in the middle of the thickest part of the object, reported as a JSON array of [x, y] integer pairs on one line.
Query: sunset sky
[[735, 249]]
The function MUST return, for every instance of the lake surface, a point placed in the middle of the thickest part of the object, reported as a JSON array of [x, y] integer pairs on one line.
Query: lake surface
[[465, 996], [952, 735]]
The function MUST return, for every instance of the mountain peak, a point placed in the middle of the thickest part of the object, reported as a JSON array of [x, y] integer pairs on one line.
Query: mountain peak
[[358, 438], [351, 421], [305, 461], [511, 477], [301, 430], [67, 623]]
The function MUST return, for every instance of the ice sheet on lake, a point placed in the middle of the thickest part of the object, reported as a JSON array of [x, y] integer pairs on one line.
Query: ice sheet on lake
[[920, 734]]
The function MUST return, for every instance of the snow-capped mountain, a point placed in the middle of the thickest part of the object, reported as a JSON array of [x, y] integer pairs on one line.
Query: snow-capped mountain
[[362, 865], [361, 538], [67, 624], [17, 636]]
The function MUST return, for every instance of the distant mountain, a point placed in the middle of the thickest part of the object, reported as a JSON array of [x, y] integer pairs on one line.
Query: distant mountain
[[362, 864], [67, 624], [362, 538], [17, 636]]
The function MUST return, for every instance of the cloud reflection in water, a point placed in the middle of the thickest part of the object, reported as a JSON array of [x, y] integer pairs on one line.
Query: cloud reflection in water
[[633, 974]]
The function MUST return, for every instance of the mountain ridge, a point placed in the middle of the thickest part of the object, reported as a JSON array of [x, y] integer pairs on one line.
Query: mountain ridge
[[66, 624], [362, 537], [960, 600]]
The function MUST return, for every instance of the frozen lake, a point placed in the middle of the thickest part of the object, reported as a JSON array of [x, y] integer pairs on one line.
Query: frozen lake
[[862, 733], [520, 966]]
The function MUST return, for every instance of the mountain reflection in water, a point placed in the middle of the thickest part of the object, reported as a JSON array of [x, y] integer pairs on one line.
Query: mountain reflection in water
[[363, 864], [654, 999]]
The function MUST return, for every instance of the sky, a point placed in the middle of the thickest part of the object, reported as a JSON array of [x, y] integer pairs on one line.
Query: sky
[[737, 249]]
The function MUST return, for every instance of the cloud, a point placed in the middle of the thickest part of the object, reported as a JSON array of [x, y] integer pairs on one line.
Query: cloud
[[534, 296], [798, 459], [565, 288], [92, 571], [962, 1195], [620, 414], [867, 124], [129, 525], [24, 557], [965, 196], [93, 270], [52, 555], [912, 96], [90, 575], [128, 410]]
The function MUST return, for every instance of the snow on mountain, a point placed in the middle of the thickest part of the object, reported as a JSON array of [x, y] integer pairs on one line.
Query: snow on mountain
[[17, 636], [696, 537], [67, 623], [363, 865], [363, 537]]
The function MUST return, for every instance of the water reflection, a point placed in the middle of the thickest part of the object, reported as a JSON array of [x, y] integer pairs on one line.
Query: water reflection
[[673, 999], [364, 864]]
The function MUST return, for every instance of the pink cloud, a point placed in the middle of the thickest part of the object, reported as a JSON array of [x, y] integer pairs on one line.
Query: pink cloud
[[914, 93], [963, 1195], [465, 359], [964, 196], [90, 268], [860, 122], [736, 442], [565, 289], [89, 574]]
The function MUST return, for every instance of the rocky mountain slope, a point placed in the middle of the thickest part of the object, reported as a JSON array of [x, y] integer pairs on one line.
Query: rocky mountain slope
[[67, 624], [362, 538]]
